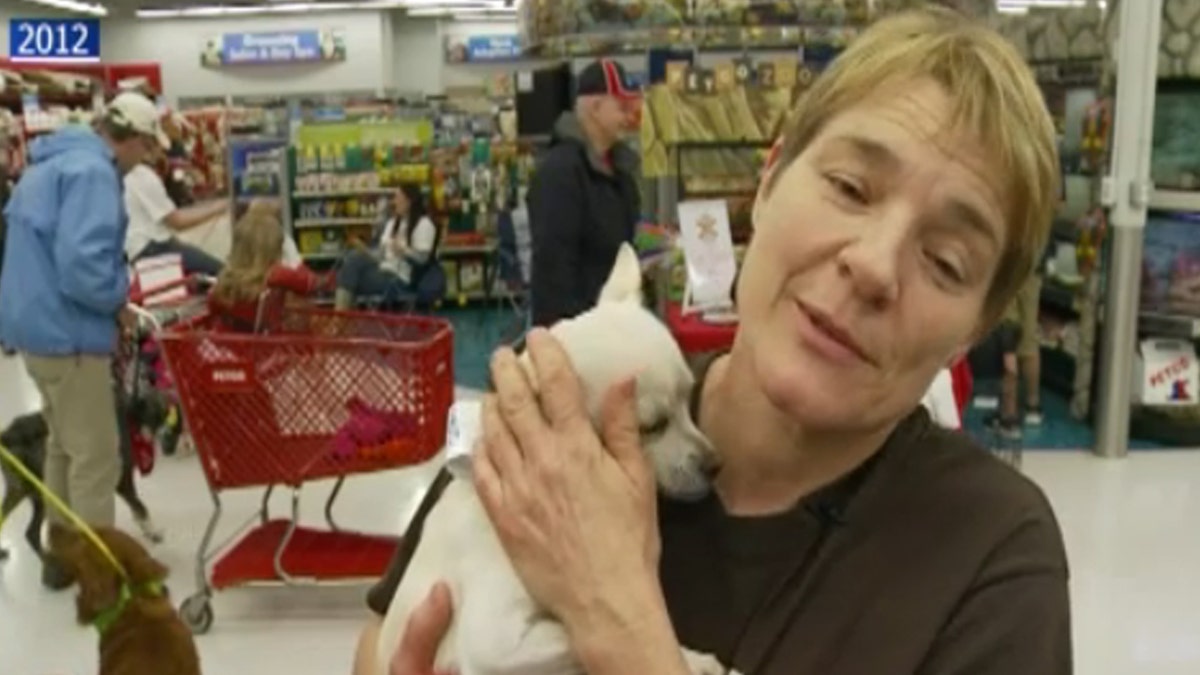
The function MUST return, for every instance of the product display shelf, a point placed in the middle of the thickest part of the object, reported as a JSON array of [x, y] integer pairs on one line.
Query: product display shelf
[[736, 189], [307, 223]]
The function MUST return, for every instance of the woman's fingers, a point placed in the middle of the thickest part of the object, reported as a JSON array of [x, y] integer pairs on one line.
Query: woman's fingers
[[500, 447], [516, 399], [561, 392], [423, 634], [619, 422]]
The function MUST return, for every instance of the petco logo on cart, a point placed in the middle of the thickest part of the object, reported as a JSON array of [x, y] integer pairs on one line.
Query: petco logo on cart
[[227, 377], [1172, 370], [1172, 375]]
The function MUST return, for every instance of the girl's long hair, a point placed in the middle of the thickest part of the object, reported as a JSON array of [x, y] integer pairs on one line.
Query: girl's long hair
[[416, 206], [257, 247]]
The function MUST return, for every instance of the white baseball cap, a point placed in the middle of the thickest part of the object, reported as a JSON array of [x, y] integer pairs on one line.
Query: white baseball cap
[[137, 113]]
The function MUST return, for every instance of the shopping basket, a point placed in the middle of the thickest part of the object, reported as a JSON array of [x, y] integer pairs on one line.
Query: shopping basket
[[323, 395]]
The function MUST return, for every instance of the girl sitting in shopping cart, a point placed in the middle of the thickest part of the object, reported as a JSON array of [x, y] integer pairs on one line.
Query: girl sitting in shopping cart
[[256, 266]]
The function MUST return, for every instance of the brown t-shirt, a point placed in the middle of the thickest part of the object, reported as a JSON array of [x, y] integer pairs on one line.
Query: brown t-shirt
[[933, 558]]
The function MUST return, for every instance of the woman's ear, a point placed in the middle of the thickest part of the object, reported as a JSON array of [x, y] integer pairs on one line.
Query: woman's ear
[[767, 182]]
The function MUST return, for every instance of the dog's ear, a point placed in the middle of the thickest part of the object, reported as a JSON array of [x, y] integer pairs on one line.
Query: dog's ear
[[141, 567], [99, 582], [625, 281]]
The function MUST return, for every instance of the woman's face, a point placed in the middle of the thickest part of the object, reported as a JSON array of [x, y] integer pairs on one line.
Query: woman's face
[[871, 259], [400, 202]]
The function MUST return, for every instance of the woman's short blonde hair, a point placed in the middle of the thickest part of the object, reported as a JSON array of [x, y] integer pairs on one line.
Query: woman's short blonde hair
[[995, 99]]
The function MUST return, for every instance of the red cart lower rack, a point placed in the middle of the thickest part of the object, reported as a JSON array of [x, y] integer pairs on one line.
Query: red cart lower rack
[[323, 395]]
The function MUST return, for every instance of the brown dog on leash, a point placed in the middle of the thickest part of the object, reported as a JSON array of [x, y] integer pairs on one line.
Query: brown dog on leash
[[140, 631]]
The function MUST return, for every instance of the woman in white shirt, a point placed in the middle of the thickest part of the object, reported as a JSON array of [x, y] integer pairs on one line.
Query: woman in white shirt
[[403, 247], [154, 221]]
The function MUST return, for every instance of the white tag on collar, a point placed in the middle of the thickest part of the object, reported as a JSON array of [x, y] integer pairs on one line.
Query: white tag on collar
[[463, 428]]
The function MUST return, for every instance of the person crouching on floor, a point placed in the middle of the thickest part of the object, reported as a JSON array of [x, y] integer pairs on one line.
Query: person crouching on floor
[[404, 247], [256, 264]]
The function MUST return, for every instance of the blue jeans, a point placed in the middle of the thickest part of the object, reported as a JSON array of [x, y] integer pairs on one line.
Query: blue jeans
[[360, 274], [195, 261]]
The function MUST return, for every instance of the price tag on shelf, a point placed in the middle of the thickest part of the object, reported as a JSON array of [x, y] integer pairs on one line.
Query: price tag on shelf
[[30, 104]]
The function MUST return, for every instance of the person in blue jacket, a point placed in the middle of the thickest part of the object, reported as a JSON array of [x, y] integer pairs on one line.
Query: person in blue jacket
[[63, 287]]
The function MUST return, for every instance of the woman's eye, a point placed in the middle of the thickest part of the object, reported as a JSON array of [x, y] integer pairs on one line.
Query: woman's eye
[[656, 427], [948, 269], [847, 188]]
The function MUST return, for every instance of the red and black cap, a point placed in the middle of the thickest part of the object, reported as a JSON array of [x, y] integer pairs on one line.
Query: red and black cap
[[606, 77]]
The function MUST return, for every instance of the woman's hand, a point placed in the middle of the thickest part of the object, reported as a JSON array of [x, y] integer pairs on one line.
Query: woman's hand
[[424, 632], [576, 515]]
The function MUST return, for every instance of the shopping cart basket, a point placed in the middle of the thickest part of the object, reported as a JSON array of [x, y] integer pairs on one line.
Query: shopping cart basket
[[324, 395]]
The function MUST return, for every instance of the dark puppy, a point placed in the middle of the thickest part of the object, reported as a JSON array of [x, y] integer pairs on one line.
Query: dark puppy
[[26, 439], [140, 632]]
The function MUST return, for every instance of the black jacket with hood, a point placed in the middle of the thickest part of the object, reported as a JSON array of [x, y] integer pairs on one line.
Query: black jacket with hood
[[582, 207]]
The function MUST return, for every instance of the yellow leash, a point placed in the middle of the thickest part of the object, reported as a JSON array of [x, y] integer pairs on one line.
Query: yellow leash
[[65, 510]]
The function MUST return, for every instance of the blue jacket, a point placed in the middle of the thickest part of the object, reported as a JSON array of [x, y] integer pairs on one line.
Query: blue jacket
[[64, 278]]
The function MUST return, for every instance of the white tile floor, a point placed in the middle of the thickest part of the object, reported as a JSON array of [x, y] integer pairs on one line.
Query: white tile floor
[[1130, 528]]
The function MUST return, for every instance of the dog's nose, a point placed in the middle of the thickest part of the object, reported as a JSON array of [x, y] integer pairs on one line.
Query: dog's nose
[[710, 466]]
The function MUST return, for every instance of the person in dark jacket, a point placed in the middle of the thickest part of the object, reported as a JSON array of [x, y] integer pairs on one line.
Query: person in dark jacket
[[583, 200]]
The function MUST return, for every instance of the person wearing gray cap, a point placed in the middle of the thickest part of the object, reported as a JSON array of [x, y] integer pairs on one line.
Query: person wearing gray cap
[[63, 287]]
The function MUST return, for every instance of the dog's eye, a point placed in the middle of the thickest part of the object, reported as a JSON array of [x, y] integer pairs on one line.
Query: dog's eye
[[656, 427]]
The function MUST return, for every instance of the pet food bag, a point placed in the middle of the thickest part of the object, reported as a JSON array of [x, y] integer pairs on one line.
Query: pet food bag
[[1166, 373]]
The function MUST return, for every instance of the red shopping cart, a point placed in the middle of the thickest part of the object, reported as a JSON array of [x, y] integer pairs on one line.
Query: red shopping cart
[[323, 395]]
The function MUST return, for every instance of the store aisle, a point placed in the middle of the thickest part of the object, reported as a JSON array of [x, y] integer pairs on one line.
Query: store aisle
[[1129, 527]]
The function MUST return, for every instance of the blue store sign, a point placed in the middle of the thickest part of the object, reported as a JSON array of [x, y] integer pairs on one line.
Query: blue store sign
[[50, 40], [483, 48], [295, 46]]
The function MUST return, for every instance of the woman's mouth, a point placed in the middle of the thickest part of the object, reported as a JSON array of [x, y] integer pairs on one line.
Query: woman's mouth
[[821, 333]]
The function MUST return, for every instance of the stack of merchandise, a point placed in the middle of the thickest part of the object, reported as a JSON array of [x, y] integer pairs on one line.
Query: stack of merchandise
[[203, 140]]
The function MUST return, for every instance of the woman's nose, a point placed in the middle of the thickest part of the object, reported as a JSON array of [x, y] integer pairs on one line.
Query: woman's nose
[[872, 261]]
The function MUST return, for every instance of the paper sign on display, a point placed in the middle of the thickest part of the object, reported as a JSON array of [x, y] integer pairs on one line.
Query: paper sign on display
[[1167, 373], [158, 272], [463, 428], [708, 251]]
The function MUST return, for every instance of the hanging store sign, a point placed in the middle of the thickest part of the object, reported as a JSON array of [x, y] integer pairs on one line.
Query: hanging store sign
[[483, 49], [295, 46], [54, 40]]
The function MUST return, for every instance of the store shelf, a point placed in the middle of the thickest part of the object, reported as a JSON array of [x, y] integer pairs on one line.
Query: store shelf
[[464, 250], [309, 223], [361, 192], [1169, 325], [46, 99], [1175, 200]]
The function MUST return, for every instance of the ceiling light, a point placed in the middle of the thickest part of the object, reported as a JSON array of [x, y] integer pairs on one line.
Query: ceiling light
[[74, 6], [282, 8], [1022, 6]]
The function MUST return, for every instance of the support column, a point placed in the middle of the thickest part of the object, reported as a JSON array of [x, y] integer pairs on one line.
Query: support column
[[1127, 194]]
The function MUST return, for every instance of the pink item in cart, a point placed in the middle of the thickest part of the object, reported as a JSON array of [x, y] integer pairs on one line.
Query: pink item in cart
[[370, 427]]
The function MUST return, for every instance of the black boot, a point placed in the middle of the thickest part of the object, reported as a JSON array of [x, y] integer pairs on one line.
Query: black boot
[[55, 576]]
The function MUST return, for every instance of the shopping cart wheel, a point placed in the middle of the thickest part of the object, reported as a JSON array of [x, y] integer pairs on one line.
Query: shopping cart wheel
[[197, 613]]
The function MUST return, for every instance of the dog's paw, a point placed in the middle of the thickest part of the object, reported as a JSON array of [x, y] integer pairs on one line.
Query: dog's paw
[[704, 664], [151, 532]]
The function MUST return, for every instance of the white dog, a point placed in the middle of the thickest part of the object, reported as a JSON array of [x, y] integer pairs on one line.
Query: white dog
[[498, 629]]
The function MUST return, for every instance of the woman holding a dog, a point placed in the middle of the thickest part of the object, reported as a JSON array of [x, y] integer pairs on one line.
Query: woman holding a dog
[[847, 535]]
